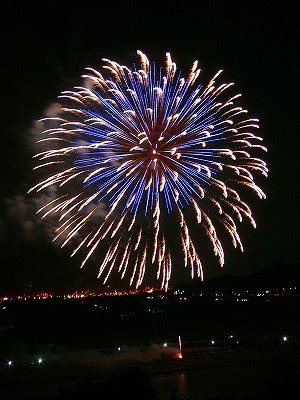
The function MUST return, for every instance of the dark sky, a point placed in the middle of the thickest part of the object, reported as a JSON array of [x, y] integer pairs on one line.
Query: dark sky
[[45, 49]]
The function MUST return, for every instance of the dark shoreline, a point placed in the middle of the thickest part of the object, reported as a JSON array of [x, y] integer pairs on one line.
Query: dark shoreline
[[88, 344], [49, 381]]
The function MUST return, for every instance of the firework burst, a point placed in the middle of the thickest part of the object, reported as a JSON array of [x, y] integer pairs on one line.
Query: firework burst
[[152, 146]]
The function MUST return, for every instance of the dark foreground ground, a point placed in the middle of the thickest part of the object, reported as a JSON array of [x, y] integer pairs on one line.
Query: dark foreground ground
[[128, 348], [277, 369]]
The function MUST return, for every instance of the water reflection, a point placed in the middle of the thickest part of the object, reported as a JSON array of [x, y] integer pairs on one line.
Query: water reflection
[[181, 383], [243, 381]]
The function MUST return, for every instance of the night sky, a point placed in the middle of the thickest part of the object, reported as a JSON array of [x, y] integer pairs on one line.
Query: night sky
[[45, 50]]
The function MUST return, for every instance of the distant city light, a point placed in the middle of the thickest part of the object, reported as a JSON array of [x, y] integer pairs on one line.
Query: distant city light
[[165, 344], [236, 295], [285, 339], [119, 348], [212, 342]]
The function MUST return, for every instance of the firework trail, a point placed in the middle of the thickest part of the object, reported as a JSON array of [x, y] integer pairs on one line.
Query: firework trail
[[179, 345], [153, 146]]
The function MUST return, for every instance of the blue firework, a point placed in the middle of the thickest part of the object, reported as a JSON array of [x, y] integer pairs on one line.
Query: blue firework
[[152, 146]]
